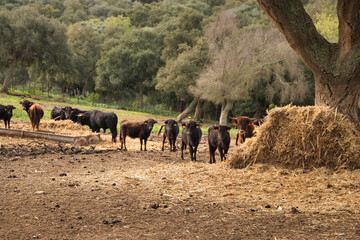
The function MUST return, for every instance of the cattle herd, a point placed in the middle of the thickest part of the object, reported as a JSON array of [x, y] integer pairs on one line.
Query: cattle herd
[[218, 135]]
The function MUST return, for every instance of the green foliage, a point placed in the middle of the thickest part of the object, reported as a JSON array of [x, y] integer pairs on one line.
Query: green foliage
[[327, 24], [180, 73], [137, 57], [112, 48]]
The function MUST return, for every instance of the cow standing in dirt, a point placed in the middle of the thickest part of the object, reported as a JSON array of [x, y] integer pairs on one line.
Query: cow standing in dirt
[[96, 120], [218, 138], [6, 114], [104, 120], [140, 130], [245, 128], [191, 135], [171, 132], [34, 111]]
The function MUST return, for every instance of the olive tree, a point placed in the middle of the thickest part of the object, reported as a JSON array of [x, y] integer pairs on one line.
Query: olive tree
[[336, 66]]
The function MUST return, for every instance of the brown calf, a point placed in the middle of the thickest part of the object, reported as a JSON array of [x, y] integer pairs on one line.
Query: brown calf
[[245, 128], [140, 130], [34, 111]]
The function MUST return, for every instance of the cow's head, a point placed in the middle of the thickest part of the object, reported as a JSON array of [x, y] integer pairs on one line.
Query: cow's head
[[241, 123], [171, 124], [26, 104], [191, 127], [222, 129], [9, 109], [150, 123], [68, 110]]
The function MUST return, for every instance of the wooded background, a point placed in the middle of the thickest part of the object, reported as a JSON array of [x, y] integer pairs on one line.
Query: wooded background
[[211, 58]]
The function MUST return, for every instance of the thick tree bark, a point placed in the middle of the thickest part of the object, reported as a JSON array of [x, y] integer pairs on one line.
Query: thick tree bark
[[198, 109], [188, 110], [261, 108], [336, 67], [225, 109]]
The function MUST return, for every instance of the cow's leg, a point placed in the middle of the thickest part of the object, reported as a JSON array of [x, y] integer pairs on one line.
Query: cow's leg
[[182, 149], [174, 145], [113, 133], [163, 142], [210, 153], [221, 151], [5, 123], [141, 142], [121, 141], [145, 140], [191, 149], [195, 150], [124, 138], [8, 124], [225, 152]]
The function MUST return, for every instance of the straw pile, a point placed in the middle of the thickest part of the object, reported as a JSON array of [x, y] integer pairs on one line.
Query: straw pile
[[302, 137], [65, 127]]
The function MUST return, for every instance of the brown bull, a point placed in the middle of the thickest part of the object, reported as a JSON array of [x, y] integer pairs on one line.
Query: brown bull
[[245, 128], [34, 111]]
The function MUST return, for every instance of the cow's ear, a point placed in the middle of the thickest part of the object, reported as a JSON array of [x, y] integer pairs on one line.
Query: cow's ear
[[30, 104], [216, 128], [234, 121], [146, 122], [197, 125], [72, 111], [175, 124], [228, 129], [166, 122], [13, 107], [183, 125], [5, 108]]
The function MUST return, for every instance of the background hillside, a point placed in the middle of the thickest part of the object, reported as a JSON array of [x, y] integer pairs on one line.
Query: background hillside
[[219, 58]]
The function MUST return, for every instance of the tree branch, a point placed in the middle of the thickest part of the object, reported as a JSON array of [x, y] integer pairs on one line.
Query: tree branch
[[348, 12], [291, 19]]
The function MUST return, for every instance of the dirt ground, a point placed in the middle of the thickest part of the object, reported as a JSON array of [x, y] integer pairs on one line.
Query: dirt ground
[[156, 195]]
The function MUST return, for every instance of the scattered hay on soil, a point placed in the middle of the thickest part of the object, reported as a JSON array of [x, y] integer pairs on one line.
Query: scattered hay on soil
[[302, 137], [321, 190]]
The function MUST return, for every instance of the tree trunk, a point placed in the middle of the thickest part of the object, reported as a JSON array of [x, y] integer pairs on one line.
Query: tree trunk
[[260, 108], [198, 109], [188, 110], [226, 107], [335, 65], [141, 95], [341, 94], [5, 86], [62, 92]]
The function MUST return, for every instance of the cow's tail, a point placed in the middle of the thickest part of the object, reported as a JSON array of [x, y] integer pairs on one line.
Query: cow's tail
[[160, 129]]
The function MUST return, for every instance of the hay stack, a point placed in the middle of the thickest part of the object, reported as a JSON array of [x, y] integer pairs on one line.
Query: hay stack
[[304, 137], [65, 127]]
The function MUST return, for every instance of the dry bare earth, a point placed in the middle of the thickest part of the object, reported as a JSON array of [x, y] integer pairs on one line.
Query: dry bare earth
[[156, 195]]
